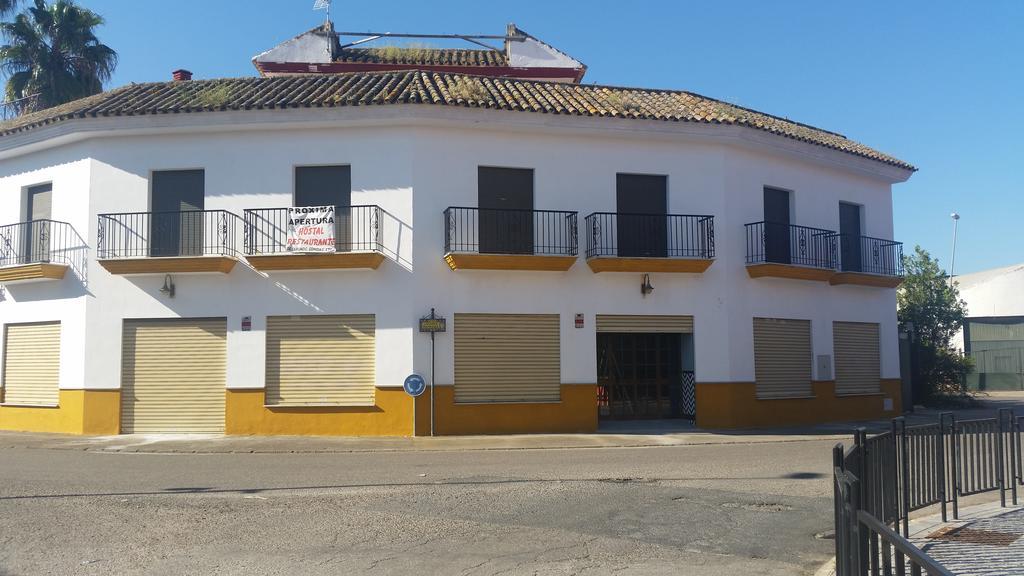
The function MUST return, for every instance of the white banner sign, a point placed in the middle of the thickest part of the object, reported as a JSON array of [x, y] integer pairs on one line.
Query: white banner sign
[[311, 229]]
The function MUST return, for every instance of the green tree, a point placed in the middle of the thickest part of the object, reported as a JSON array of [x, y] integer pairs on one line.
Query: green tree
[[932, 306], [52, 51]]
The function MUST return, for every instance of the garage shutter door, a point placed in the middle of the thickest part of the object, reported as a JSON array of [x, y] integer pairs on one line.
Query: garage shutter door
[[857, 357], [320, 360], [32, 364], [172, 375], [782, 358], [507, 358], [645, 324]]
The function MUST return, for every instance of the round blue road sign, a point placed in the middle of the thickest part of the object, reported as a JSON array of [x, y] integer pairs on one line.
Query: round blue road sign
[[414, 385]]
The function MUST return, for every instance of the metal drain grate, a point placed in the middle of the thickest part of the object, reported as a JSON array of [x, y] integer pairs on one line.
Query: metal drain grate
[[974, 536]]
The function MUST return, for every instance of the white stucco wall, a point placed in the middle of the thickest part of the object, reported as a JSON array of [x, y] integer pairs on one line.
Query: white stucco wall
[[65, 301], [414, 170]]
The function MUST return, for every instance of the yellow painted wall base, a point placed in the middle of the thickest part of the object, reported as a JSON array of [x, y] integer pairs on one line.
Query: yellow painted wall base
[[577, 412], [93, 412], [391, 416], [735, 405]]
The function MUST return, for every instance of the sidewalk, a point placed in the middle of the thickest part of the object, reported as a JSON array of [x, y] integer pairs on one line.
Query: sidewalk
[[218, 444], [629, 434], [987, 540]]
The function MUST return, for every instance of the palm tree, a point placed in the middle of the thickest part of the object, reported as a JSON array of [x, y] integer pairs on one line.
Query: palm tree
[[52, 54], [7, 7]]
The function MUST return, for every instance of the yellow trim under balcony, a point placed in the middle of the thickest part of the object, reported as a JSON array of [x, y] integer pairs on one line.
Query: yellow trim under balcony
[[32, 273], [169, 265], [325, 261], [616, 264], [464, 261], [862, 279], [775, 270]]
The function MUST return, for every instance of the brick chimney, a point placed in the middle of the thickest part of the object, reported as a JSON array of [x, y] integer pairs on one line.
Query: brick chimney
[[181, 75]]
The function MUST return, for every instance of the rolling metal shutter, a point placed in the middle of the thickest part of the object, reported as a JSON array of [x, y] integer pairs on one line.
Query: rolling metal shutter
[[32, 364], [321, 360], [644, 324], [507, 358], [857, 354], [782, 358], [173, 375]]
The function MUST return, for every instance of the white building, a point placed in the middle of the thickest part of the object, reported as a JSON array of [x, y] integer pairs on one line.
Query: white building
[[147, 284], [993, 334]]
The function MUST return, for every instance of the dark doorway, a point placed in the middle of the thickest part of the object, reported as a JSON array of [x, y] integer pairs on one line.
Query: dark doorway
[[505, 203], [849, 237], [176, 225], [36, 243], [641, 376], [328, 186], [641, 206], [776, 226]]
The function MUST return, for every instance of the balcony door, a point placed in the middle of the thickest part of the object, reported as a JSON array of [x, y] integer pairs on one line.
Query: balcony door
[[331, 186], [36, 240], [776, 226], [641, 223], [849, 237], [505, 202], [176, 224]]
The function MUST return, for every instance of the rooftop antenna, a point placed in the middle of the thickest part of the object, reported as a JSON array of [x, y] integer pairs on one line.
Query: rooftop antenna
[[323, 5]]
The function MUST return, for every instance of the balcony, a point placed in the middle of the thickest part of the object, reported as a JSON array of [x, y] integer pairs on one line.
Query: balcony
[[867, 261], [192, 241], [649, 242], [787, 251], [357, 233], [492, 239], [39, 251]]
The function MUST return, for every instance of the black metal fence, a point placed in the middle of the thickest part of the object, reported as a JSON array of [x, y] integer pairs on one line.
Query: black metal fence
[[870, 255], [166, 234], [500, 231], [43, 242], [356, 229], [881, 479], [650, 235], [774, 242]]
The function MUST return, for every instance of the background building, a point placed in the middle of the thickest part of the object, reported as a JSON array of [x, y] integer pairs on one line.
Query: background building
[[993, 334]]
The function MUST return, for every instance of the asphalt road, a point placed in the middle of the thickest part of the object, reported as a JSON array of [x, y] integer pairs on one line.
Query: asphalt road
[[729, 509]]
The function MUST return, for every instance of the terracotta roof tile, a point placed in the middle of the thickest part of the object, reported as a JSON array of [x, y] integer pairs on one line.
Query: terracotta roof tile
[[425, 56], [433, 88]]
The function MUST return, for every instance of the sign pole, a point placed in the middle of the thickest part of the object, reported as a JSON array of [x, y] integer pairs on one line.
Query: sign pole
[[432, 376]]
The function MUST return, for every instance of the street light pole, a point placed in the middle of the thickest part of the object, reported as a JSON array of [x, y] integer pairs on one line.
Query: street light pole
[[952, 260]]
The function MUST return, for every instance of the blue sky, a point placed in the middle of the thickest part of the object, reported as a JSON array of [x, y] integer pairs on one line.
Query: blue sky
[[939, 84]]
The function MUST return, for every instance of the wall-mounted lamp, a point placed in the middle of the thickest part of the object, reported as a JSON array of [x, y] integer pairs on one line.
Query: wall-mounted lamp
[[168, 287], [645, 286]]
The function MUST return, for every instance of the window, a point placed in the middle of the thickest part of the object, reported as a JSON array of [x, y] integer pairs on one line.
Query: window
[[176, 224], [776, 226], [782, 358], [328, 186], [31, 367], [857, 359], [505, 204], [641, 207], [507, 358]]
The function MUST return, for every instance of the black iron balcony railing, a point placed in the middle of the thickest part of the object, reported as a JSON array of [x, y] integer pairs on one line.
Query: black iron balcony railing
[[499, 231], [356, 229], [166, 234], [870, 255], [42, 242], [779, 243], [650, 235]]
